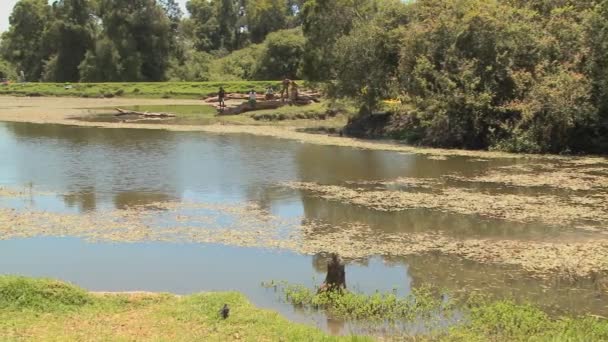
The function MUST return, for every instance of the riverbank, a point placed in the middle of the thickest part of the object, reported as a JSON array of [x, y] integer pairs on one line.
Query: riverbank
[[64, 111], [42, 309]]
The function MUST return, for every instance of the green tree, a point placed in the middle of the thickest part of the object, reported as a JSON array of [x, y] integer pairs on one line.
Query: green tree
[[7, 70], [367, 59], [69, 35], [23, 43], [264, 17], [202, 27], [227, 18], [194, 68], [323, 23], [134, 44], [282, 56], [175, 14], [556, 115]]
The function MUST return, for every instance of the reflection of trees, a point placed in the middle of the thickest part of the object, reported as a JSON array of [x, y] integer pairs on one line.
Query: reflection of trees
[[462, 276], [85, 200], [264, 196], [328, 164], [126, 199], [87, 135], [94, 164], [415, 220]]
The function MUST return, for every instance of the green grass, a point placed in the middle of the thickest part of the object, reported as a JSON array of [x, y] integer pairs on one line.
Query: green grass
[[422, 302], [507, 321], [47, 310], [179, 90], [483, 319]]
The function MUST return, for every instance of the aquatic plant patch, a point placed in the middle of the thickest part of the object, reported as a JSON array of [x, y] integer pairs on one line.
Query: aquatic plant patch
[[559, 177], [252, 226], [583, 211]]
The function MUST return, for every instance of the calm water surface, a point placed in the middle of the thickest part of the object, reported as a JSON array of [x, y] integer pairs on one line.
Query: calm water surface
[[98, 169]]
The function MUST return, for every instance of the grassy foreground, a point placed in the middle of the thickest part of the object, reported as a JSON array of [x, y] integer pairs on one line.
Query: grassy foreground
[[179, 90], [48, 310]]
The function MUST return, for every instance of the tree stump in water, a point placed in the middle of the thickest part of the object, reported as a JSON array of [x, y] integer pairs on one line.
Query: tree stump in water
[[336, 276]]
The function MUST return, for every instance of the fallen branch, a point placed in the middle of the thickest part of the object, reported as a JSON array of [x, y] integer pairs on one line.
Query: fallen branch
[[122, 112]]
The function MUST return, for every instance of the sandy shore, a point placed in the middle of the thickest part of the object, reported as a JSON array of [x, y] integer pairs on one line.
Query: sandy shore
[[63, 111]]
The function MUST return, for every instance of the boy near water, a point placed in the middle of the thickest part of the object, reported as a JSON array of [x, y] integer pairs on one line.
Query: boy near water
[[253, 97], [222, 97], [285, 89]]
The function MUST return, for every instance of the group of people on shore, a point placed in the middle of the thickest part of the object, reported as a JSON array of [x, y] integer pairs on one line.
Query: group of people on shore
[[289, 91]]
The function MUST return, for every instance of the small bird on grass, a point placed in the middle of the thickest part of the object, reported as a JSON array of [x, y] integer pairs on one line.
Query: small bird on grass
[[225, 312]]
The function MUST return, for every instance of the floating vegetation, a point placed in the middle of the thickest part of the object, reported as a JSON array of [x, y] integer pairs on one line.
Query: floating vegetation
[[412, 182], [560, 178], [583, 211], [251, 226], [4, 192]]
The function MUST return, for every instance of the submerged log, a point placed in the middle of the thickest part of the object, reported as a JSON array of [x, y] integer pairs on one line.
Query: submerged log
[[122, 112]]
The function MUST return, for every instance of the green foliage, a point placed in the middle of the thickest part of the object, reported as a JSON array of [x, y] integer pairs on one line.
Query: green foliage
[[202, 27], [264, 17], [23, 43], [134, 44], [507, 321], [69, 35], [509, 75], [239, 65], [7, 70], [557, 115], [367, 58], [194, 67], [323, 23], [423, 302], [19, 293], [282, 55]]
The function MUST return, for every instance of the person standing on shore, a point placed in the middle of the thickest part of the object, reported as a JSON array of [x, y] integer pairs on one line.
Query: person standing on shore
[[294, 92], [285, 89], [253, 97], [222, 97]]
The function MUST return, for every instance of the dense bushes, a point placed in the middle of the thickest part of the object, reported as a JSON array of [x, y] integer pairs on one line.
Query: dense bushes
[[278, 56], [518, 76], [7, 70]]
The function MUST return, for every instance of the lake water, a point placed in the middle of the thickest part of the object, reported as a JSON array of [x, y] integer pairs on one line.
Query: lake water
[[85, 170]]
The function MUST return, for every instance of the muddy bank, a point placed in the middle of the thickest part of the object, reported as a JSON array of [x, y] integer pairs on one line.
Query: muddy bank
[[64, 110]]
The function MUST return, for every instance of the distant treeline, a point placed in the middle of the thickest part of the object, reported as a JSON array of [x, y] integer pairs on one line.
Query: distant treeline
[[517, 75]]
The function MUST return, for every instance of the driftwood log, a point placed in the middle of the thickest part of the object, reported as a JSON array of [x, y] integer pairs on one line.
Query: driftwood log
[[122, 112], [246, 107]]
